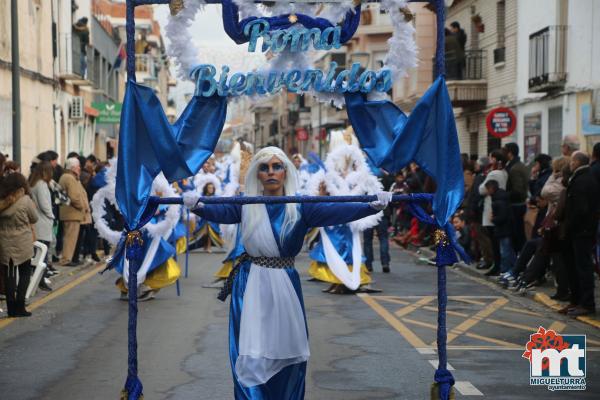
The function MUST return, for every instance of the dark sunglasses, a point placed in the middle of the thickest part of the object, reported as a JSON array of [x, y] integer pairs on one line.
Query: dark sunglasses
[[277, 167]]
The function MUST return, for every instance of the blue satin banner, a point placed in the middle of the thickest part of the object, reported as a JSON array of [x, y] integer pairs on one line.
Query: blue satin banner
[[428, 137], [149, 144]]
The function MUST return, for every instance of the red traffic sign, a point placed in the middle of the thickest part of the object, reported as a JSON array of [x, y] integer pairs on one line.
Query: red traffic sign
[[501, 122], [301, 134]]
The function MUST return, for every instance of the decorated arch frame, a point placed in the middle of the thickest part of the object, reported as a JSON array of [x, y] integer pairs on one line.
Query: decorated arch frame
[[149, 144]]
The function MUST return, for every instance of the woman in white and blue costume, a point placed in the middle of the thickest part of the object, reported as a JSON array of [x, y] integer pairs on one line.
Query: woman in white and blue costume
[[268, 336]]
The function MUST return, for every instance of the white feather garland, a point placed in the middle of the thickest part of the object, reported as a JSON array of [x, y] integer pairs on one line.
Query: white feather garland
[[182, 48], [402, 53], [348, 174], [107, 193]]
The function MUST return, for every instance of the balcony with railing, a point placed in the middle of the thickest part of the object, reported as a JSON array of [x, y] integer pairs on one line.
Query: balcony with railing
[[547, 56], [146, 68], [466, 79], [73, 62]]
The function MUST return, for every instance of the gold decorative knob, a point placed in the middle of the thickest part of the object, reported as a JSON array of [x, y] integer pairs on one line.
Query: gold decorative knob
[[175, 6], [293, 18]]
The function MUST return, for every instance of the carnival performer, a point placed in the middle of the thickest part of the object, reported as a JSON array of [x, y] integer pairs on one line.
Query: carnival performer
[[237, 162], [241, 153], [268, 333], [179, 236], [206, 233], [303, 174], [337, 258], [159, 268]]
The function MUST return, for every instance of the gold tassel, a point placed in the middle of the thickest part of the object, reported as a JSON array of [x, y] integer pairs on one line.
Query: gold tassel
[[435, 392], [132, 237], [125, 395], [440, 237], [175, 6]]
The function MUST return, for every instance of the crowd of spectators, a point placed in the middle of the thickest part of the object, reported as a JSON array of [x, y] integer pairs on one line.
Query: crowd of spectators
[[52, 206], [522, 224]]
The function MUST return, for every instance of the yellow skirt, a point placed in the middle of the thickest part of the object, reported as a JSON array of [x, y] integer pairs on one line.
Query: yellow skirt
[[163, 276], [212, 235], [225, 270], [321, 272], [181, 245]]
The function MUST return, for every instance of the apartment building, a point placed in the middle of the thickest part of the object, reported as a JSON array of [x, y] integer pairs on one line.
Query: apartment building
[[37, 83], [85, 68], [72, 66], [489, 71], [558, 74], [538, 58], [151, 62]]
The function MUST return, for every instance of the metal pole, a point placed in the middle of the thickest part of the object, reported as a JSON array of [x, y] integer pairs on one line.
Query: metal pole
[[319, 134], [187, 242], [16, 76]]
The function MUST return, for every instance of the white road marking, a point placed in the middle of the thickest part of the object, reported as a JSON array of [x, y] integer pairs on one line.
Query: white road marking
[[436, 362], [466, 388], [425, 350]]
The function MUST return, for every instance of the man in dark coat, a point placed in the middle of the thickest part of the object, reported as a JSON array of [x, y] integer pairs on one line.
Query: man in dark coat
[[581, 219], [595, 165], [455, 56], [459, 33], [517, 187]]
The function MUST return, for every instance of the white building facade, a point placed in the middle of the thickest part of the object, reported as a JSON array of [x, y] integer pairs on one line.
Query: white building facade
[[558, 74]]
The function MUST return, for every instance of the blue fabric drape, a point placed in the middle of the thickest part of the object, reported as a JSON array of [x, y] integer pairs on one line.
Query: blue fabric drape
[[428, 137], [235, 28], [164, 252], [149, 144]]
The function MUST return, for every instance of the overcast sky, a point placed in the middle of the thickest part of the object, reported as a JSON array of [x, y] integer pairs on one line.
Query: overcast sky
[[214, 44]]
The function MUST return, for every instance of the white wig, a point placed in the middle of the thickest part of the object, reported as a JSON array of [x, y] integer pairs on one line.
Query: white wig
[[254, 213]]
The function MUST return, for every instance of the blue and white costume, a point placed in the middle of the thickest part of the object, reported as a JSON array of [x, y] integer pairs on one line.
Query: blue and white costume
[[338, 258], [268, 336], [204, 230], [159, 268]]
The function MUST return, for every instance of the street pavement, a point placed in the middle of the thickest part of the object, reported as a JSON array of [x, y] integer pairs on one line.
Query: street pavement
[[370, 346]]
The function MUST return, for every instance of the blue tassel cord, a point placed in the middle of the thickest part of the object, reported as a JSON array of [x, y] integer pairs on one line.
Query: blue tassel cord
[[133, 386]]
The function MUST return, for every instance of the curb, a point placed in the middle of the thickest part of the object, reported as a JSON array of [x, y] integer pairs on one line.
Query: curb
[[538, 296], [547, 301]]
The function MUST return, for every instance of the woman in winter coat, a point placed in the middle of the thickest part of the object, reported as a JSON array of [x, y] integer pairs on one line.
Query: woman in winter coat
[[39, 181], [17, 215]]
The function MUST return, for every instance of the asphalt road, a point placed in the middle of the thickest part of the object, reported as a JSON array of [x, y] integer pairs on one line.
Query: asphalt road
[[377, 346]]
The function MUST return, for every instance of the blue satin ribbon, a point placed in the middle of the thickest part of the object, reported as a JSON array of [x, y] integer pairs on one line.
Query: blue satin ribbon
[[149, 144], [428, 137], [235, 28]]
